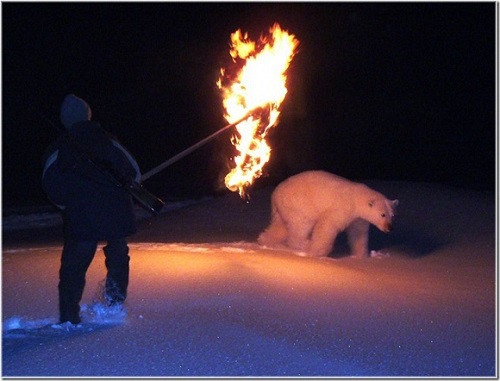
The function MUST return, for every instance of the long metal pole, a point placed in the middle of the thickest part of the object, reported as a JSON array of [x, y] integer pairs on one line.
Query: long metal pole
[[194, 147]]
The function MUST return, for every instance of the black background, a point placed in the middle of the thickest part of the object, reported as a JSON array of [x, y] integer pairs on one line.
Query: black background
[[389, 91]]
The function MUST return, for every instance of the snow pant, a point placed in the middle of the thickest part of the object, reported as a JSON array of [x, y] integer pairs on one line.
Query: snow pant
[[75, 261]]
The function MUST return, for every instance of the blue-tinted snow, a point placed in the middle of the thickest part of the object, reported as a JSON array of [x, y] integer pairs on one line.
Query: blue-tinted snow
[[206, 300]]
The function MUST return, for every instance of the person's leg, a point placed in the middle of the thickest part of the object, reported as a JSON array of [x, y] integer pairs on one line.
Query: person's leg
[[117, 264], [75, 260]]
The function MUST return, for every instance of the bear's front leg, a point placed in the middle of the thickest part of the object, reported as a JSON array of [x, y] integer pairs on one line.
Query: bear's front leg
[[357, 236]]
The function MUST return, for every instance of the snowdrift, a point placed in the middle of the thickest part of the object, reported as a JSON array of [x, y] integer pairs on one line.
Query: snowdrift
[[206, 300]]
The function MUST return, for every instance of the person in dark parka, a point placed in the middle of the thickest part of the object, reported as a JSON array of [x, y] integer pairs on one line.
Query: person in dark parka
[[93, 206]]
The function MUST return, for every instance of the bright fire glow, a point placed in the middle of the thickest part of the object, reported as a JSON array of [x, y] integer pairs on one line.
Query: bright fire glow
[[259, 82]]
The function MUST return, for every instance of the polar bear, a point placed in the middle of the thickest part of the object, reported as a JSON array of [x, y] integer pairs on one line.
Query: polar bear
[[310, 209]]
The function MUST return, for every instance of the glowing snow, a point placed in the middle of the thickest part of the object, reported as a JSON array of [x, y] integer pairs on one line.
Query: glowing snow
[[208, 307]]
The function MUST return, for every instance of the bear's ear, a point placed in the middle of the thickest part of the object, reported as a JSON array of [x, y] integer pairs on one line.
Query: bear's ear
[[395, 203]]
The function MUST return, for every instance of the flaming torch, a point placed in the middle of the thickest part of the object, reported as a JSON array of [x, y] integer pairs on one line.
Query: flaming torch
[[259, 82]]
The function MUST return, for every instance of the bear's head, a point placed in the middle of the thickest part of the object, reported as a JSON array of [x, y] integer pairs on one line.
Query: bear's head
[[381, 212]]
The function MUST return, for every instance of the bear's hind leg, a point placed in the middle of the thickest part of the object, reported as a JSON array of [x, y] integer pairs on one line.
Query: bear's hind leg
[[323, 238], [276, 232], [298, 234], [357, 235]]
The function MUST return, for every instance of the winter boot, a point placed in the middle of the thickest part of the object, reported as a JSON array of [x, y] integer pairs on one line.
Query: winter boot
[[69, 308], [114, 294], [117, 263]]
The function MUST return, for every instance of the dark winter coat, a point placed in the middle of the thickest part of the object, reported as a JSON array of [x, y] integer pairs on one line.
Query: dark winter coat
[[94, 207]]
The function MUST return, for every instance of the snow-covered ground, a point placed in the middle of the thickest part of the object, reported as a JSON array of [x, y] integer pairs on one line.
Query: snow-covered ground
[[206, 300]]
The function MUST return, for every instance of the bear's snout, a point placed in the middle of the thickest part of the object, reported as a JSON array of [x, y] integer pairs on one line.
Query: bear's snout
[[387, 228]]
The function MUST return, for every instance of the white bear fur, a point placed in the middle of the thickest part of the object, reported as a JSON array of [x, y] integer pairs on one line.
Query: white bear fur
[[310, 209]]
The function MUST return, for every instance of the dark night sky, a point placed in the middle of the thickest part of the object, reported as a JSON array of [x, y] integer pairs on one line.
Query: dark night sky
[[390, 91]]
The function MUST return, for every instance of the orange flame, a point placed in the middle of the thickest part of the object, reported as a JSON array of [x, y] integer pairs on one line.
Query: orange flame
[[260, 85]]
